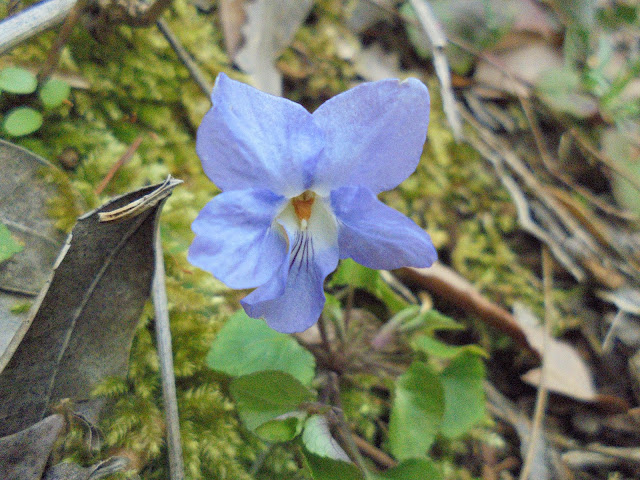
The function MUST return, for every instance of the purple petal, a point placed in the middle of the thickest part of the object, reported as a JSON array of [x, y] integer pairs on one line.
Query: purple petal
[[237, 239], [250, 139], [293, 299], [374, 135], [376, 235]]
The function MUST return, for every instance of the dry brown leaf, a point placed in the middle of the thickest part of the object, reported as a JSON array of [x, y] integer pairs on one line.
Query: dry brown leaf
[[232, 17], [567, 373], [366, 13], [528, 61], [83, 328], [24, 197], [24, 454], [373, 63]]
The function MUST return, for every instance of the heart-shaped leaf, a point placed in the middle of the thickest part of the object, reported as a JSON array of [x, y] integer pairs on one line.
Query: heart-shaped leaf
[[246, 345]]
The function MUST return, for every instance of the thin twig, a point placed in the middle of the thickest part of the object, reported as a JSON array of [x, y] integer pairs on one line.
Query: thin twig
[[542, 395], [607, 344], [438, 41], [324, 335], [584, 142], [348, 308], [525, 103], [53, 57], [500, 156], [185, 57], [116, 166], [374, 453], [165, 357], [342, 427]]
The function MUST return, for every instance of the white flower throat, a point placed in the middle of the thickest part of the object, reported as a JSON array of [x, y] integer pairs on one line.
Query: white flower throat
[[309, 227]]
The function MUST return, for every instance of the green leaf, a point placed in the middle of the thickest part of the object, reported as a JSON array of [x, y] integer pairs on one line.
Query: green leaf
[[263, 396], [430, 321], [620, 148], [281, 429], [581, 12], [412, 469], [464, 394], [576, 45], [8, 246], [323, 468], [22, 121], [561, 88], [54, 92], [246, 345], [17, 80], [436, 348], [417, 412], [317, 439], [351, 273]]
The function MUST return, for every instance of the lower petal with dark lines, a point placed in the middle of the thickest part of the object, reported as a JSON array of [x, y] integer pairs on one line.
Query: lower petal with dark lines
[[293, 299]]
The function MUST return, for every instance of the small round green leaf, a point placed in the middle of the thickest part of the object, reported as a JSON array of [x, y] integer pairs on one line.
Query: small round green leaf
[[17, 80], [8, 246], [417, 411], [22, 121], [54, 92]]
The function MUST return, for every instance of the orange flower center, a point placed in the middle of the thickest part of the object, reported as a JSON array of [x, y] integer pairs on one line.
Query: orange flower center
[[302, 205]]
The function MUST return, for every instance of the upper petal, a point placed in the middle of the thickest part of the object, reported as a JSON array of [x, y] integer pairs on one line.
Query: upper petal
[[376, 235], [374, 135], [250, 139], [237, 239], [293, 299]]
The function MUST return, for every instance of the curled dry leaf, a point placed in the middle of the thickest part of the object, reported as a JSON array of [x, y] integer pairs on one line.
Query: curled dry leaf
[[73, 471], [84, 324]]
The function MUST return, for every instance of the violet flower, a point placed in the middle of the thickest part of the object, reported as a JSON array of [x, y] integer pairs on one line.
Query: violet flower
[[299, 192]]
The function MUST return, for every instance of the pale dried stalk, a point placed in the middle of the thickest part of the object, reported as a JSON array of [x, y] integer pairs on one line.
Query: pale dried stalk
[[32, 21], [438, 41], [165, 357], [543, 393]]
